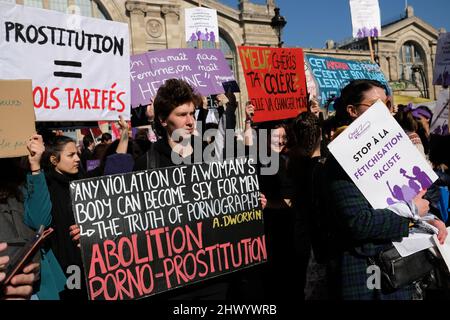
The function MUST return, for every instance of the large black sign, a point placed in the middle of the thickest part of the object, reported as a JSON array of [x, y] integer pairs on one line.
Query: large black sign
[[151, 231]]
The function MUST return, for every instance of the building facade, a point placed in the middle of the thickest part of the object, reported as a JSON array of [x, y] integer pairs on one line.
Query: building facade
[[406, 50]]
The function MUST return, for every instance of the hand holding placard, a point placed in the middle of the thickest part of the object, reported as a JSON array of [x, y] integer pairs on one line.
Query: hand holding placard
[[423, 205]]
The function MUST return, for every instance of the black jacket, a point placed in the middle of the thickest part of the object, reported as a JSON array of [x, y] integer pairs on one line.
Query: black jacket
[[66, 251]]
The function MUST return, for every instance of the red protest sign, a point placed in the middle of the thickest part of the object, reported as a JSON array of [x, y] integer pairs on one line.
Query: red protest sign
[[275, 79]]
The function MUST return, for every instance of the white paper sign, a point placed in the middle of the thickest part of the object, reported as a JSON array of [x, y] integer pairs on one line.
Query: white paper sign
[[201, 25], [79, 66], [441, 75], [366, 20], [440, 120], [380, 159]]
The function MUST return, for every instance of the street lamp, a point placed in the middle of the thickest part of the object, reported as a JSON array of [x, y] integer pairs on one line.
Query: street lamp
[[419, 69], [278, 22]]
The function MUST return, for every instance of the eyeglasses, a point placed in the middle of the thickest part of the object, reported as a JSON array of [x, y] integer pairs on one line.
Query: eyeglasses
[[387, 102]]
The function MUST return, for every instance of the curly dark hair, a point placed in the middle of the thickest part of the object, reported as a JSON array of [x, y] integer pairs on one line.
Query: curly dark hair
[[173, 93], [307, 133]]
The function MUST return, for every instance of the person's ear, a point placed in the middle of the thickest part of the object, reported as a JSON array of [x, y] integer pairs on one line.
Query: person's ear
[[351, 110], [163, 122], [53, 160]]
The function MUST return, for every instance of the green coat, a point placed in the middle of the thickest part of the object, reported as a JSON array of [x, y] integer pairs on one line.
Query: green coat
[[38, 212]]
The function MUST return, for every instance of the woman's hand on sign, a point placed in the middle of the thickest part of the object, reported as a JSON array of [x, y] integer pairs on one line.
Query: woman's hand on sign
[[442, 229], [222, 100], [263, 199], [249, 111], [36, 148], [122, 147], [423, 206], [315, 107], [123, 125], [75, 234]]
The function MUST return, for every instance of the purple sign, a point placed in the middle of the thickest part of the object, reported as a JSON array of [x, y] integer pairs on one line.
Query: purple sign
[[92, 164], [204, 69]]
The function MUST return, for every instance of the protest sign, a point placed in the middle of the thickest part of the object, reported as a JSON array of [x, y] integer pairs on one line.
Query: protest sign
[[366, 21], [79, 66], [275, 79], [16, 107], [332, 75], [380, 158], [201, 24], [147, 232], [204, 69], [441, 74], [439, 124], [92, 164]]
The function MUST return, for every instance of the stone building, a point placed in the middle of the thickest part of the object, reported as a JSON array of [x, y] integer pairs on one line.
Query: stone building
[[406, 50]]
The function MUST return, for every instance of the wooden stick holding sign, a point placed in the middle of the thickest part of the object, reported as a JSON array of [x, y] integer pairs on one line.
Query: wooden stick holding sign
[[372, 59]]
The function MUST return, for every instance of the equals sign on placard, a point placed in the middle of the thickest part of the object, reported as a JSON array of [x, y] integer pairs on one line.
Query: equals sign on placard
[[64, 74]]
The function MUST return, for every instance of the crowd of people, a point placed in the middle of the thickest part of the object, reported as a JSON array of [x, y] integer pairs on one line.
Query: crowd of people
[[321, 231]]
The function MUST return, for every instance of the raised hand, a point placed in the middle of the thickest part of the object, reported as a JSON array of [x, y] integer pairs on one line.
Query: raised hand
[[35, 146]]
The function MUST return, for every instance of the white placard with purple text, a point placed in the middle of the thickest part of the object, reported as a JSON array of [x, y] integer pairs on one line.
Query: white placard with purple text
[[201, 25], [79, 66], [441, 74], [366, 21], [380, 159], [439, 125]]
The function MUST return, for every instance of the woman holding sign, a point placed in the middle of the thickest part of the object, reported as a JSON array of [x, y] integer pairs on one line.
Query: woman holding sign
[[364, 232], [63, 164]]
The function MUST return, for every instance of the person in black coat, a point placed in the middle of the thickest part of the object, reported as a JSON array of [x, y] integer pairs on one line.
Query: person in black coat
[[63, 166]]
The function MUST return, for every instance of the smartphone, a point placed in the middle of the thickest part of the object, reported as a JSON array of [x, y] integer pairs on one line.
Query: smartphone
[[26, 254]]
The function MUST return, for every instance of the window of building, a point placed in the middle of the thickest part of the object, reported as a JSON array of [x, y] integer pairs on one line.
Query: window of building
[[87, 8], [229, 51], [411, 54], [33, 3]]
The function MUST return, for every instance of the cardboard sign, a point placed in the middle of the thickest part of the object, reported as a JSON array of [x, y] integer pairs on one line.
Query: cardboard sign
[[441, 75], [147, 232], [332, 75], [380, 158], [366, 20], [275, 79], [204, 69], [16, 117], [201, 25], [79, 66]]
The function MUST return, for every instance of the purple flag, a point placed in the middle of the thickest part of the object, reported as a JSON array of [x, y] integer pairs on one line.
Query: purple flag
[[204, 69]]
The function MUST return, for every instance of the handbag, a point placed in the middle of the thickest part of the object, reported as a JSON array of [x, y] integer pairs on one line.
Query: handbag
[[398, 272]]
